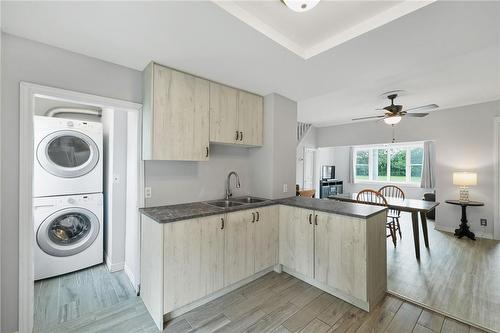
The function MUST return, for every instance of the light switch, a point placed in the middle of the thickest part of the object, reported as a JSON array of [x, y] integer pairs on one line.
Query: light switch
[[285, 188]]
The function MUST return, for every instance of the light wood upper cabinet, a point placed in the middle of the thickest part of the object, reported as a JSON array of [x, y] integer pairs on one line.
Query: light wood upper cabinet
[[223, 113], [236, 116], [239, 247], [296, 239], [340, 248], [250, 118], [194, 258], [266, 237], [176, 115]]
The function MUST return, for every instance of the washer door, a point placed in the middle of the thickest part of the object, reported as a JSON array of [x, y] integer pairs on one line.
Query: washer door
[[67, 154], [67, 232]]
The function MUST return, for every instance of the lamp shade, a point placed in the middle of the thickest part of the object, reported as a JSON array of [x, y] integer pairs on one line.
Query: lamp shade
[[464, 178]]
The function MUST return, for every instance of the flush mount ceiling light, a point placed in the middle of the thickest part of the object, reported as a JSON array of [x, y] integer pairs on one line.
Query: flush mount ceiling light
[[392, 120], [300, 5]]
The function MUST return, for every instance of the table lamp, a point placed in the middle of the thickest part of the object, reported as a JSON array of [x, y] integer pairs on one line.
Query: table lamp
[[464, 180]]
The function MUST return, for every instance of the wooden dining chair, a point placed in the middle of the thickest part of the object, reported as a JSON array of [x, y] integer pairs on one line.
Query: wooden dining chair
[[374, 197], [392, 191], [307, 193]]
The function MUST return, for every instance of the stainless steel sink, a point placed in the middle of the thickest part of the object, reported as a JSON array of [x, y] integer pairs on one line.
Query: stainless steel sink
[[224, 203], [248, 200]]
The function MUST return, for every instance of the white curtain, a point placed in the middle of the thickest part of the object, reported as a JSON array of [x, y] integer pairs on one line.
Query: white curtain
[[351, 165], [428, 174]]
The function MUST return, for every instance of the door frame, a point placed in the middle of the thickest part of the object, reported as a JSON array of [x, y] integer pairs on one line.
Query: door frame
[[28, 92], [314, 151], [496, 162]]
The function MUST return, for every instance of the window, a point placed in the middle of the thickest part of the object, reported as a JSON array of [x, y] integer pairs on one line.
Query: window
[[391, 163]]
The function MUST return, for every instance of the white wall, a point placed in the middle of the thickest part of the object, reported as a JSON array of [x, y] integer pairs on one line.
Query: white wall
[[24, 60], [464, 141], [273, 165], [308, 141], [133, 230], [114, 125]]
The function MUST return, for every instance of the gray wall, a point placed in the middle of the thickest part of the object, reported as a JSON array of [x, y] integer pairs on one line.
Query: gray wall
[[24, 60], [266, 168], [273, 165], [464, 141]]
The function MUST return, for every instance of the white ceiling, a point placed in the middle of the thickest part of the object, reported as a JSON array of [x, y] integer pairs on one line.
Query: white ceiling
[[327, 25], [446, 53]]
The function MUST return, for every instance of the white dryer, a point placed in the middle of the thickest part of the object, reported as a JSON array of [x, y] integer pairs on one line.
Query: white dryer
[[68, 156], [68, 233]]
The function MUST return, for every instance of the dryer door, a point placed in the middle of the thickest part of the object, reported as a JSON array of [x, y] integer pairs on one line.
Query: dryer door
[[67, 154], [68, 231]]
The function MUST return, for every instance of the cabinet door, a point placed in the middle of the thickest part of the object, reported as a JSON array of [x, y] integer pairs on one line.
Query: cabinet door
[[340, 253], [296, 239], [239, 250], [250, 118], [266, 238], [181, 116], [194, 257], [223, 113]]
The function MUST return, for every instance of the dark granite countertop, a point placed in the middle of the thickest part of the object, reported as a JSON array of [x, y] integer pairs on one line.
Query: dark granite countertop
[[331, 206], [173, 213]]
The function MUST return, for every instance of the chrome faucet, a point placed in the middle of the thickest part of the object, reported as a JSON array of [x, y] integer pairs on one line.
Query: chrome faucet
[[228, 183]]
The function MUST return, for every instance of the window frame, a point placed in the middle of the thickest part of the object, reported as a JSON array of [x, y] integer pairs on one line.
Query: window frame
[[373, 149]]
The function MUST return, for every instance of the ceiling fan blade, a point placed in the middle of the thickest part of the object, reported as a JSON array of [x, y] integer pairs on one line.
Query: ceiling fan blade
[[424, 107], [416, 114], [370, 117]]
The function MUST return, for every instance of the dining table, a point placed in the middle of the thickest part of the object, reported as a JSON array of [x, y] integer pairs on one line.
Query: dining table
[[413, 206]]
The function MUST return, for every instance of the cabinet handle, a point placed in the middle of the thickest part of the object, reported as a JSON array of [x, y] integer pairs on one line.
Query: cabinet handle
[[222, 223], [241, 136], [237, 135], [258, 216], [207, 151], [310, 217], [316, 219], [253, 217]]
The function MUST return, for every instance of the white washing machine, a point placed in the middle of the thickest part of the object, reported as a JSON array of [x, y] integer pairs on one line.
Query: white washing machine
[[68, 233], [68, 156]]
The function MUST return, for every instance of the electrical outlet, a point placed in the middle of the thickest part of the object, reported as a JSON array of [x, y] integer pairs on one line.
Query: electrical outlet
[[484, 222], [285, 188], [147, 192]]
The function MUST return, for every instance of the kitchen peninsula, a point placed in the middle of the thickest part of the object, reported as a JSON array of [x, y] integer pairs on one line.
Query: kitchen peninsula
[[195, 252]]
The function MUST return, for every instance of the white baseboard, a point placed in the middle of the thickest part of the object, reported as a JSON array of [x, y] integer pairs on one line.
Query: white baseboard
[[131, 277], [113, 267], [451, 229]]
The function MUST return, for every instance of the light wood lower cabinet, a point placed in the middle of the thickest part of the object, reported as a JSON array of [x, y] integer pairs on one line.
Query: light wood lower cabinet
[[239, 246], [339, 247], [193, 260], [342, 255], [266, 237], [296, 239], [251, 243]]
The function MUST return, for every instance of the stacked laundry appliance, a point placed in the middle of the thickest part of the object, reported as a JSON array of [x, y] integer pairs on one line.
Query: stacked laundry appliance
[[68, 199]]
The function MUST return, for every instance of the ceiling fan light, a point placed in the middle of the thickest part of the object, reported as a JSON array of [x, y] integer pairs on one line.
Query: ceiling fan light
[[300, 5], [392, 120]]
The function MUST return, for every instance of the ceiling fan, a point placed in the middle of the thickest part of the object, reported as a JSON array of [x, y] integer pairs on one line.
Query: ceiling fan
[[394, 112]]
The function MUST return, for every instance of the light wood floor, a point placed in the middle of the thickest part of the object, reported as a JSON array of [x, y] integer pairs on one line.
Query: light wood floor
[[459, 277], [275, 303]]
